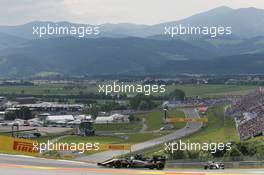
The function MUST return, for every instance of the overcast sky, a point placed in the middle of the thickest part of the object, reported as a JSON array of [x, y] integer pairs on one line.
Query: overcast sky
[[110, 11]]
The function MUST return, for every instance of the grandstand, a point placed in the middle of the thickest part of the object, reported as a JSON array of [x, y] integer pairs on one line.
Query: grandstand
[[248, 113]]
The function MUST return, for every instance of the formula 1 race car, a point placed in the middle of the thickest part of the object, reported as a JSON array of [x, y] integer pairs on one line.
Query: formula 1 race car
[[213, 165], [136, 161]]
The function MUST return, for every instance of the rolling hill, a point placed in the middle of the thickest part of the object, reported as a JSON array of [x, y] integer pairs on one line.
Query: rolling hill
[[94, 56], [7, 40], [100, 56]]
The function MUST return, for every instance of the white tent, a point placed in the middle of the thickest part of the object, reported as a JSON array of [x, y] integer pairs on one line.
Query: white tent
[[83, 117], [119, 118], [56, 118], [104, 119]]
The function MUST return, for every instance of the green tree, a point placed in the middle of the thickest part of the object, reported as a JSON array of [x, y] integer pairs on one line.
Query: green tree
[[10, 116], [177, 153], [143, 105], [193, 154], [92, 110], [205, 155], [141, 101], [22, 92], [25, 113], [177, 94], [234, 154], [247, 148], [260, 152], [131, 118]]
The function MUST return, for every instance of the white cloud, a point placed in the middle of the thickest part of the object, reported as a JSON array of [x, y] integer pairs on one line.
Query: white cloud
[[112, 11]]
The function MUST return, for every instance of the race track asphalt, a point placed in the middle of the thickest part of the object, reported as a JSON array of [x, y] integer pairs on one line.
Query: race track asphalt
[[23, 165]]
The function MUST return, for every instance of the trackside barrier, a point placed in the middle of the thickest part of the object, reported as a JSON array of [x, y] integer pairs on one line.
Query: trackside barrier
[[11, 145], [106, 147], [17, 146], [242, 164]]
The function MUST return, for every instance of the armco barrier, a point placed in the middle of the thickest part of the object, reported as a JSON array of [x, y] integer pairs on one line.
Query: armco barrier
[[239, 164]]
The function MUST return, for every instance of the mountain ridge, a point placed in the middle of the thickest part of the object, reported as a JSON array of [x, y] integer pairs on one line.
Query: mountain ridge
[[245, 23], [127, 48]]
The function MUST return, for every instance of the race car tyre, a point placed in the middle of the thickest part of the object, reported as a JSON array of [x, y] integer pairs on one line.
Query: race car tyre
[[117, 164], [160, 166], [205, 167]]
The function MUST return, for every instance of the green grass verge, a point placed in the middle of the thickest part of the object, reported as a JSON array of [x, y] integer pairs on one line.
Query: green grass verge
[[177, 114], [47, 89], [193, 90], [142, 137], [154, 119], [218, 128], [119, 127], [64, 90], [44, 139], [92, 139]]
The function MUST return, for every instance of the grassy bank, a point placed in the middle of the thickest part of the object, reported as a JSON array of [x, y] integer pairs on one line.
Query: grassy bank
[[191, 90], [218, 129]]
